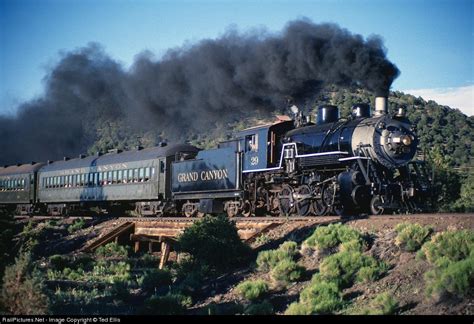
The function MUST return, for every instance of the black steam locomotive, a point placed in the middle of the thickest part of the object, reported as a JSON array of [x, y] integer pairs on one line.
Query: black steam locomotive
[[291, 167]]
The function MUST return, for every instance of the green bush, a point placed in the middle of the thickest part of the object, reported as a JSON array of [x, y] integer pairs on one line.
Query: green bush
[[345, 267], [112, 250], [263, 308], [450, 278], [330, 237], [156, 278], [252, 289], [267, 260], [410, 236], [352, 245], [74, 274], [287, 271], [298, 309], [111, 272], [321, 296], [171, 304], [59, 262], [23, 289], [383, 304], [78, 224], [454, 245], [214, 241]]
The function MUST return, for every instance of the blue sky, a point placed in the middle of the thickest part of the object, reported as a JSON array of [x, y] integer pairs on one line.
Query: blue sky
[[430, 41]]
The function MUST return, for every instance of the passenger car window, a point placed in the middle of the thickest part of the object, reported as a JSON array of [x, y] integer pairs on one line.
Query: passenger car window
[[147, 174]]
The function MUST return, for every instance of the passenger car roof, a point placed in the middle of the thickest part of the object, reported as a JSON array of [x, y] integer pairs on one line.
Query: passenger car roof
[[113, 158], [19, 169]]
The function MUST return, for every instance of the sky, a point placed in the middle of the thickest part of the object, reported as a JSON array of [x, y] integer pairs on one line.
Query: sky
[[431, 42]]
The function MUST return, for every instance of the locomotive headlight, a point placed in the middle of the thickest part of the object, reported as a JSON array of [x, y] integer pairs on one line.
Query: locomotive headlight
[[406, 140]]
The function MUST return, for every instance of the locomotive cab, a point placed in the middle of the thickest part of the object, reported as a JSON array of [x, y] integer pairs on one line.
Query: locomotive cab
[[261, 146]]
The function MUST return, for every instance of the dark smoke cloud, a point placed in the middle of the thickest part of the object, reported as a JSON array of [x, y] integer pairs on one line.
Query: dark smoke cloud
[[191, 88]]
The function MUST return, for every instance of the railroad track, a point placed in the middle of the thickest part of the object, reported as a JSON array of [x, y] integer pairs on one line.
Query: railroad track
[[245, 219]]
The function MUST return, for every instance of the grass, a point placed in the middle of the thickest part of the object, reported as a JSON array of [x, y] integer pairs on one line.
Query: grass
[[252, 289], [410, 237], [328, 238]]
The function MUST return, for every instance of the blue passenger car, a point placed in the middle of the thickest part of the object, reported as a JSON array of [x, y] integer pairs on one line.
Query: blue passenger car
[[121, 179]]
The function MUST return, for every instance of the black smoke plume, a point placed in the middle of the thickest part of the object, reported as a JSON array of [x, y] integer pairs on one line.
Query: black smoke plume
[[190, 88]]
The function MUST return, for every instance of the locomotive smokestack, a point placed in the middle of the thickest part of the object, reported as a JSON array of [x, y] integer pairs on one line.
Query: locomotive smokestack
[[381, 104]]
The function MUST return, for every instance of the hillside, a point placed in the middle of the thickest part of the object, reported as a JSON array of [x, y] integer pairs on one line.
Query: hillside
[[377, 265]]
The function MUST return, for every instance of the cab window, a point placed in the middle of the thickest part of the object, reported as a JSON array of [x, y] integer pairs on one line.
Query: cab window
[[251, 143]]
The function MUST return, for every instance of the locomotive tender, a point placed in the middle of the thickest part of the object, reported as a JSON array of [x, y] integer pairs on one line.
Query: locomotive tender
[[361, 164]]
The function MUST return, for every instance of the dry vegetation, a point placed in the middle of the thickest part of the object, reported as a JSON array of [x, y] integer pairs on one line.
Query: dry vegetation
[[387, 265]]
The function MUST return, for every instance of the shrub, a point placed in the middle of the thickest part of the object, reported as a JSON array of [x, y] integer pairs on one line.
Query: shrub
[[410, 236], [58, 262], [76, 225], [214, 241], [450, 278], [330, 237], [289, 248], [263, 308], [353, 245], [267, 260], [112, 250], [322, 297], [252, 290], [111, 272], [156, 278], [120, 291], [383, 304], [74, 275], [454, 245], [22, 290], [287, 271], [345, 267], [171, 304], [298, 309]]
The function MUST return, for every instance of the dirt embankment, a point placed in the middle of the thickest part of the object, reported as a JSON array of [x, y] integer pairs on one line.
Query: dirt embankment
[[404, 280]]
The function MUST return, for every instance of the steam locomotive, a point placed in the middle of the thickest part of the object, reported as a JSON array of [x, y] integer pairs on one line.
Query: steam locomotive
[[291, 167]]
